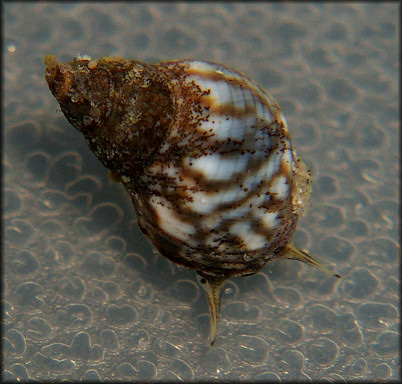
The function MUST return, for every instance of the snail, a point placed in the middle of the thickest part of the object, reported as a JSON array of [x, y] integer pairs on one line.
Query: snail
[[204, 153]]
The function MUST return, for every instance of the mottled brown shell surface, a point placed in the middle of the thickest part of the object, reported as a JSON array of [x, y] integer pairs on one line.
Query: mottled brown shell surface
[[204, 153]]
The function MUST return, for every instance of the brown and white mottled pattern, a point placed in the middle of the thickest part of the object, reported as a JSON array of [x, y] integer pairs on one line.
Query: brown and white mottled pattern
[[204, 152], [221, 188]]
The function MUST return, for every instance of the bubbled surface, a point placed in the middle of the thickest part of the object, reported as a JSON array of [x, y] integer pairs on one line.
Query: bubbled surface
[[85, 297]]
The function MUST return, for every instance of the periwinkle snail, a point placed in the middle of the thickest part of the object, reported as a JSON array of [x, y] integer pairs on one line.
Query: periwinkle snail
[[205, 155]]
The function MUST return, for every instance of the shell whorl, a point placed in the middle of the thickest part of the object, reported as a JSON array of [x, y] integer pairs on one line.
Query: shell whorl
[[203, 151], [205, 155], [226, 189], [124, 108]]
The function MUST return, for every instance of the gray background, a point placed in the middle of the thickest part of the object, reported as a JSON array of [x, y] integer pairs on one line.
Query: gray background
[[85, 297]]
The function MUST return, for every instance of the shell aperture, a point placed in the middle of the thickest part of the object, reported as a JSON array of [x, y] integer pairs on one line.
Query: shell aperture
[[204, 153]]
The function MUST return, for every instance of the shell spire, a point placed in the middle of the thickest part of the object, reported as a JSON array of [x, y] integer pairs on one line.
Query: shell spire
[[124, 108], [205, 155]]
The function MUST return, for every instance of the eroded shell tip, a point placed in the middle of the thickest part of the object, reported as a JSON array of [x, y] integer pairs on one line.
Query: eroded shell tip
[[50, 60]]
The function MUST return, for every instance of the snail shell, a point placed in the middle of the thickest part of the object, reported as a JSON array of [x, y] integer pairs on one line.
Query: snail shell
[[204, 153]]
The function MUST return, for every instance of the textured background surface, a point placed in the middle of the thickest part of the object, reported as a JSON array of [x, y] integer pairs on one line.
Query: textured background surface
[[84, 295]]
